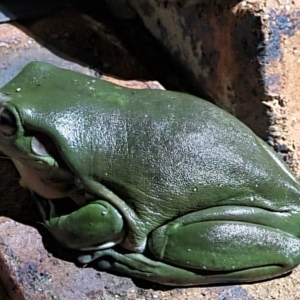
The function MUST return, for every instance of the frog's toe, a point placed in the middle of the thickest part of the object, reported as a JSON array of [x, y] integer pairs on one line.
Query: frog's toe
[[90, 257], [105, 264], [85, 259]]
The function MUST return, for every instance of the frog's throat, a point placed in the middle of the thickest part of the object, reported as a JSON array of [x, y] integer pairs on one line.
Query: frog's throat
[[136, 238], [35, 180]]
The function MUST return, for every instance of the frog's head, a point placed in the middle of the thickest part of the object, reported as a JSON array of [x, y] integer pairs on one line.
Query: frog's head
[[25, 132], [33, 153], [42, 127]]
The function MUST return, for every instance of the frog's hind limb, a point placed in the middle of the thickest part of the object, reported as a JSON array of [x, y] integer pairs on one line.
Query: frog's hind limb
[[212, 246]]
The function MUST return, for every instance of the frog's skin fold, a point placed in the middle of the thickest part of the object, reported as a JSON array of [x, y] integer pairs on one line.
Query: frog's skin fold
[[189, 192]]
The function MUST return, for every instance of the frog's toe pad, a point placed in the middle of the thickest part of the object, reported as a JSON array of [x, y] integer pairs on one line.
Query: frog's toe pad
[[85, 259], [104, 264]]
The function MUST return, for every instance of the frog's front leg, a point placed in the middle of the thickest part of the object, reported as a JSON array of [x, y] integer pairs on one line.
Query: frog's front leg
[[97, 225], [215, 245]]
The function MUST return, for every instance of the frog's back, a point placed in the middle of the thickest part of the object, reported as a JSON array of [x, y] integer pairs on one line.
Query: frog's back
[[169, 152], [163, 153], [181, 151]]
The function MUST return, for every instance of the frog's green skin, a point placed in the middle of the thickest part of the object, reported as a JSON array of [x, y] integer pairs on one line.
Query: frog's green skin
[[190, 192]]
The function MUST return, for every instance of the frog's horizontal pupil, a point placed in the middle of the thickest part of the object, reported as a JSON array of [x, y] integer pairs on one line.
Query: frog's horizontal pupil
[[8, 125]]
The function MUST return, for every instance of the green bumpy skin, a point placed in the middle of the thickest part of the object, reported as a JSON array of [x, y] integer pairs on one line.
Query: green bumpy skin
[[191, 194]]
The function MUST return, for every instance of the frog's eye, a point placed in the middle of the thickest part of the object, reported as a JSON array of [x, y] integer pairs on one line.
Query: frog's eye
[[42, 144], [8, 125], [38, 148]]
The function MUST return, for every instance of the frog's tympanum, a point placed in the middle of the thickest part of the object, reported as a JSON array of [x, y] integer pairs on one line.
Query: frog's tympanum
[[166, 186]]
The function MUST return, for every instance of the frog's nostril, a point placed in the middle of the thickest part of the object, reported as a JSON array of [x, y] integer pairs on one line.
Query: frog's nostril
[[8, 126]]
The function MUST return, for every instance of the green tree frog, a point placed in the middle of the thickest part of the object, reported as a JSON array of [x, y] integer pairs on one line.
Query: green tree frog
[[166, 186]]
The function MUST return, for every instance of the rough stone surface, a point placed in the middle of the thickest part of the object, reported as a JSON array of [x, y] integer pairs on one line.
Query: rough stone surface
[[32, 268], [242, 55], [121, 49]]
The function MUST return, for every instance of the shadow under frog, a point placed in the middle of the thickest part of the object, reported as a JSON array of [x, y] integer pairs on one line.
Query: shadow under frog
[[188, 192]]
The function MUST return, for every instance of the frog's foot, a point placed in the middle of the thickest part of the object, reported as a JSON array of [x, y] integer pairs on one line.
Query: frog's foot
[[138, 265], [209, 247]]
